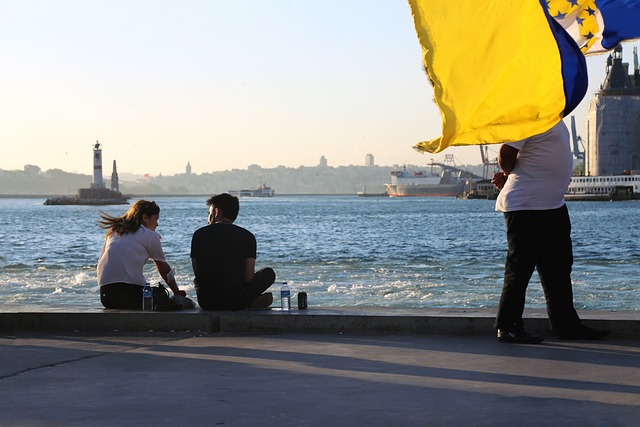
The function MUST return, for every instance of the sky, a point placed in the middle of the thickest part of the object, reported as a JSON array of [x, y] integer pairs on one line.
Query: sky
[[221, 84]]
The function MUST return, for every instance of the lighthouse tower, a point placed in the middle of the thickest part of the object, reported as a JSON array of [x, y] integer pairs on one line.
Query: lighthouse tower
[[97, 167], [97, 194]]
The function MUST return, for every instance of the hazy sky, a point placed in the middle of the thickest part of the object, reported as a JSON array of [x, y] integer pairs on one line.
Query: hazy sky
[[221, 84]]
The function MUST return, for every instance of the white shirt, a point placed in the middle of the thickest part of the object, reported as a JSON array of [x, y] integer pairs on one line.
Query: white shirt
[[123, 257], [541, 174]]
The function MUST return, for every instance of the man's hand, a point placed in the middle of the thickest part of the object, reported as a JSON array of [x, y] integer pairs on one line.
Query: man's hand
[[499, 180]]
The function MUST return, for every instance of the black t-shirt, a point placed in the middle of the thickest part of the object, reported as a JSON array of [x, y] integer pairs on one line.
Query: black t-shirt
[[220, 251]]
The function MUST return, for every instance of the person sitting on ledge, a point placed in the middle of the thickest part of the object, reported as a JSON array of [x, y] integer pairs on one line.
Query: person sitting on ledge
[[130, 242], [223, 256]]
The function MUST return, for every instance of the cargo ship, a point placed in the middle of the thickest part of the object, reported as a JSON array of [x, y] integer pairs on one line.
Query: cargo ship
[[419, 183]]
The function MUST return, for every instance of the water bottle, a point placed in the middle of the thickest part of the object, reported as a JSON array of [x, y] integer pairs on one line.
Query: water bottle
[[285, 297], [147, 298]]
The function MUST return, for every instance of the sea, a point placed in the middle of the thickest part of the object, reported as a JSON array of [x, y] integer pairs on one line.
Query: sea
[[343, 251]]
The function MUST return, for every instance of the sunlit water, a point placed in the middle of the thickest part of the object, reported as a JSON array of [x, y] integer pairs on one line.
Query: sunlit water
[[343, 251]]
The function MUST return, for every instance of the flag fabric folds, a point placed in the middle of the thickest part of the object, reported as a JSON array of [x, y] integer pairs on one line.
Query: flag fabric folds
[[501, 70], [597, 25]]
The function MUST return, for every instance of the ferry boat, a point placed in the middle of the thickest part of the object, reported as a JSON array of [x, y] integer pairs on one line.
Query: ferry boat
[[262, 191], [612, 187], [406, 183]]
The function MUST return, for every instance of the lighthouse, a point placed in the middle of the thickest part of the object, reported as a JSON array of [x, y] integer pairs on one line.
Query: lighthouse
[[97, 194], [97, 167]]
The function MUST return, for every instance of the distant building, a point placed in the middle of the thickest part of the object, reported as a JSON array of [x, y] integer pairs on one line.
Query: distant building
[[368, 160], [32, 169], [613, 120], [323, 162], [188, 170]]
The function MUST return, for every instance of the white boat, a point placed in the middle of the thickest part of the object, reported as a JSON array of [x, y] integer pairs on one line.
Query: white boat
[[262, 191], [364, 193], [612, 187]]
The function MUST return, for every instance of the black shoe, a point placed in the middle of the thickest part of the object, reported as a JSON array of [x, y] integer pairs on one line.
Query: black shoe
[[582, 332], [519, 336], [263, 301]]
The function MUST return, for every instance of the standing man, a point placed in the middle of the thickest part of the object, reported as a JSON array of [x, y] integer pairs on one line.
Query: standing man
[[536, 173], [223, 257]]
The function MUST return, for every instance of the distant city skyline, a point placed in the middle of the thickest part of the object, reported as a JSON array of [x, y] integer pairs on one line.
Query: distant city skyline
[[323, 162], [218, 85]]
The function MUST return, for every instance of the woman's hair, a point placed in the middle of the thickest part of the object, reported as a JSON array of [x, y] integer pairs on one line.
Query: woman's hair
[[130, 221]]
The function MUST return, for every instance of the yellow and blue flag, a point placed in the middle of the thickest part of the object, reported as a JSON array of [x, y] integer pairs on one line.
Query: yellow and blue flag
[[504, 70], [597, 25]]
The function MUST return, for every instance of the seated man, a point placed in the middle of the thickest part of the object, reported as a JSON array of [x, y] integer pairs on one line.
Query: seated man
[[223, 256]]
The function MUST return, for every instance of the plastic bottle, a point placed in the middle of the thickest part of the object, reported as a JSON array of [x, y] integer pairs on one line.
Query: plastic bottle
[[285, 297], [147, 298]]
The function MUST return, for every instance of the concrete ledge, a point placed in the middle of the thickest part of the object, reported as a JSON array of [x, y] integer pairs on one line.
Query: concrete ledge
[[358, 320], [348, 319], [110, 320], [424, 321]]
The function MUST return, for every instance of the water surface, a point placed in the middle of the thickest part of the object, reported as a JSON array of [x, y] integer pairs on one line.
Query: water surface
[[342, 250]]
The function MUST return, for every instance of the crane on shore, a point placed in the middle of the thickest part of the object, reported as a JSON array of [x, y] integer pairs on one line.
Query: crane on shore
[[578, 153], [489, 166], [449, 164]]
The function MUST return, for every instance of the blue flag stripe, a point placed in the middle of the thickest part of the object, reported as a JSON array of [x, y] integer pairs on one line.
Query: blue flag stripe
[[574, 65], [621, 21]]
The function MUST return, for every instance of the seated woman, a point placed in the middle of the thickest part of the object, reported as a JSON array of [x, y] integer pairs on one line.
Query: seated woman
[[130, 242]]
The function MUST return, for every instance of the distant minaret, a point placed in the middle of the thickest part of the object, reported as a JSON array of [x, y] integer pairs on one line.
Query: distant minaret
[[97, 167], [188, 171], [115, 183]]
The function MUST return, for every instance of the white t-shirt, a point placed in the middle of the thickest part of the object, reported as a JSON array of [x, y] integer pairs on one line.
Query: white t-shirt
[[541, 174], [123, 257]]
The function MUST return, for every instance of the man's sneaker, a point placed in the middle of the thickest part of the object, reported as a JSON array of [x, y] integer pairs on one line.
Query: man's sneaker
[[582, 332], [519, 336], [263, 301]]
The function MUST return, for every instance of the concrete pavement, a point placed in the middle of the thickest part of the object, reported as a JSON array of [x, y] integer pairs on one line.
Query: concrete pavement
[[292, 379], [339, 377]]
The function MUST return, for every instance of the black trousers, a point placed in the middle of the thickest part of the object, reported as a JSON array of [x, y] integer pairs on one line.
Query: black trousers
[[123, 296], [236, 298], [262, 280], [538, 240]]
